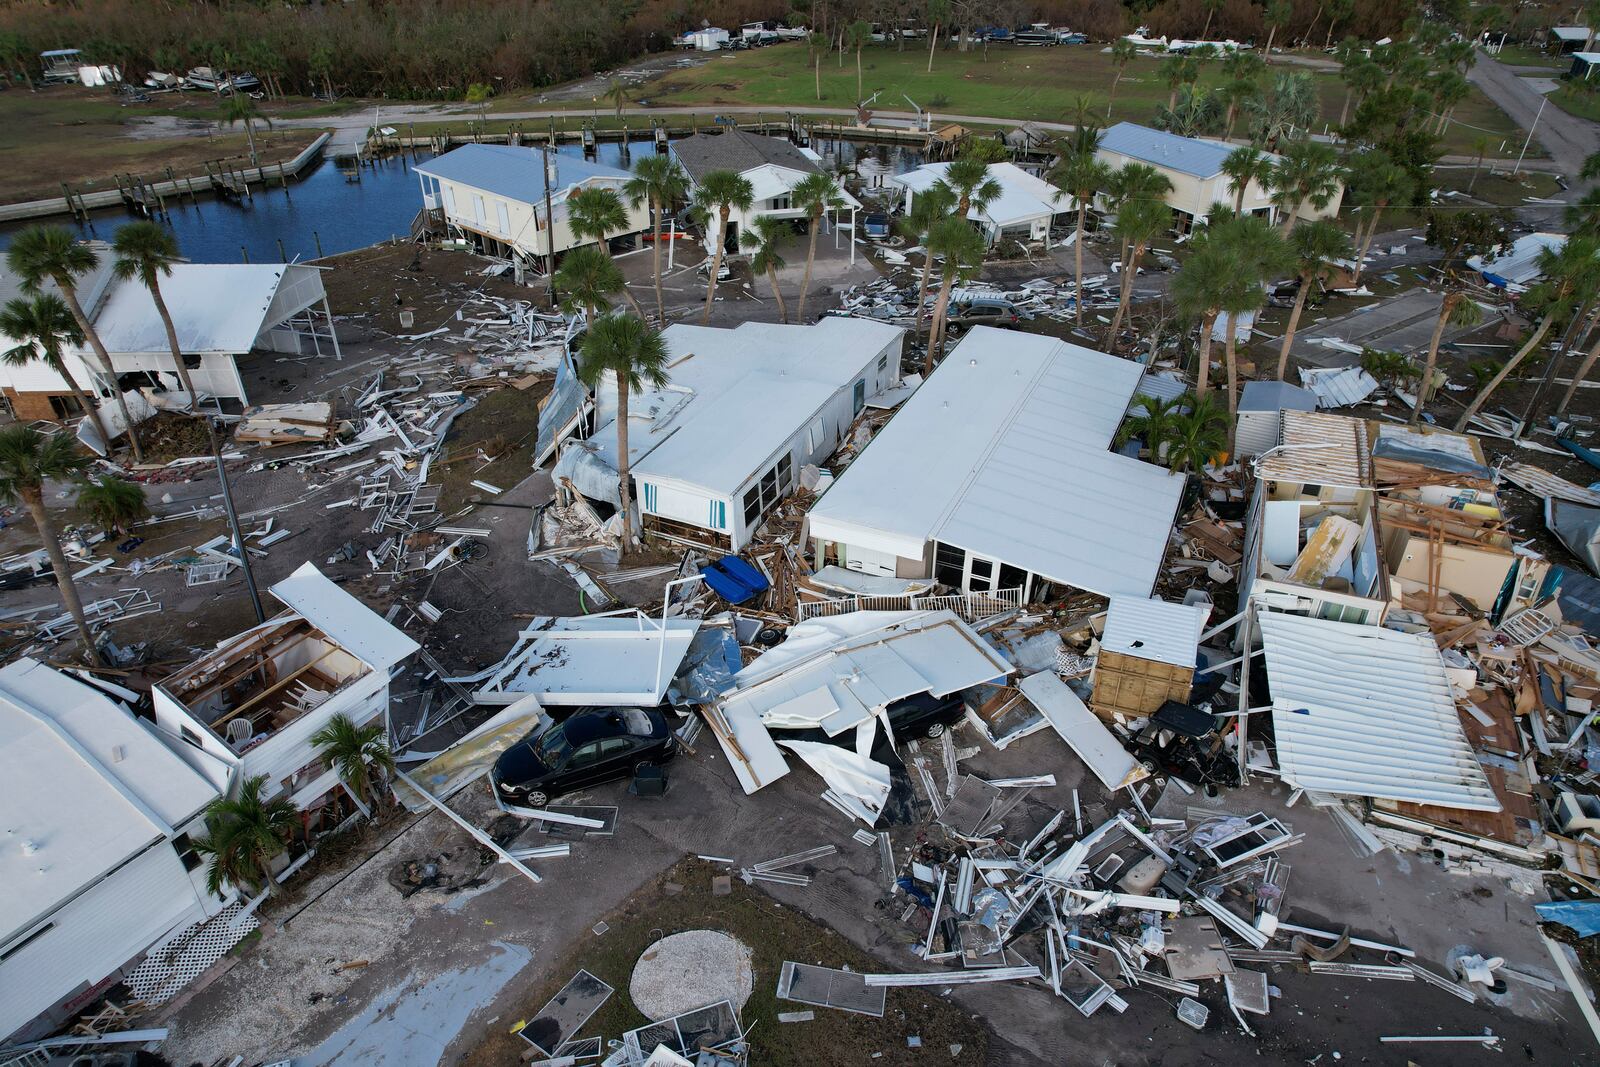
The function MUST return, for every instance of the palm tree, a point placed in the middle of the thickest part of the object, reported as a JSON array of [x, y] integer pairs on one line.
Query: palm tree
[[1315, 246], [937, 14], [763, 238], [115, 505], [1122, 53], [1195, 114], [1480, 148], [145, 251], [617, 93], [1578, 378], [1308, 173], [1136, 193], [243, 834], [1243, 166], [816, 195], [969, 180], [857, 34], [1199, 290], [1454, 310], [660, 181], [1289, 103], [595, 213], [719, 193], [633, 353], [1149, 421], [50, 253], [1574, 268], [1196, 436], [28, 459], [360, 755], [41, 325], [588, 278], [1081, 173], [961, 249], [1276, 15], [928, 209], [237, 108], [1211, 7], [1262, 254], [1379, 181]]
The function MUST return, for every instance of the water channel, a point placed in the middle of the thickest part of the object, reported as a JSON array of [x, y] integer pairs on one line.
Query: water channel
[[329, 211]]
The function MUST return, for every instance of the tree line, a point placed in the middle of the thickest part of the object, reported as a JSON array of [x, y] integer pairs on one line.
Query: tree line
[[436, 49]]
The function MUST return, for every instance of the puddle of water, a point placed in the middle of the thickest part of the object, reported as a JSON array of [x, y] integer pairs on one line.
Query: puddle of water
[[410, 1023]]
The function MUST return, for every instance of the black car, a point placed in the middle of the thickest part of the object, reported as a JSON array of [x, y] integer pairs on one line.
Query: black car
[[923, 715], [591, 746]]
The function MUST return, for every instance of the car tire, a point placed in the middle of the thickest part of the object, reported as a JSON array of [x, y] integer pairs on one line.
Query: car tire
[[536, 799], [935, 730]]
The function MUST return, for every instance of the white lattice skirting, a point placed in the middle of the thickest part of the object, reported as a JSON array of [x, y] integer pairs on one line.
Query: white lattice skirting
[[186, 954]]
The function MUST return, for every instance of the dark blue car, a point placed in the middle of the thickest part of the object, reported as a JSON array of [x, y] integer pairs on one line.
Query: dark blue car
[[592, 746]]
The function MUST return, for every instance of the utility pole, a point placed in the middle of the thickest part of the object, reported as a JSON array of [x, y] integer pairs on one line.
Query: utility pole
[[233, 520], [1537, 115], [549, 220]]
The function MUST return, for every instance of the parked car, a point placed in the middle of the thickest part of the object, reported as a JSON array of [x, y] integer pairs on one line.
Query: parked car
[[591, 746], [724, 271], [984, 313], [875, 226]]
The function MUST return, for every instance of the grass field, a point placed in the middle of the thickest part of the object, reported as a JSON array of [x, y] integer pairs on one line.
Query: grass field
[[86, 136], [1522, 56], [1585, 105], [1012, 83]]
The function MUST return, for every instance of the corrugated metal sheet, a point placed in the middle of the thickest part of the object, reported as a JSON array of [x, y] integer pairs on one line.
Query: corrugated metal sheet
[[1154, 629], [1276, 396], [1366, 711], [1337, 387], [1320, 449], [1542, 483]]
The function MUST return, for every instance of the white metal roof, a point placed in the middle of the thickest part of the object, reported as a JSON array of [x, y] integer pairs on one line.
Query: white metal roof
[[1005, 451], [349, 623], [1571, 33], [515, 172], [615, 658], [737, 396], [840, 671], [1519, 264], [1023, 196], [87, 787], [1367, 711], [1156, 630], [215, 307], [1194, 156]]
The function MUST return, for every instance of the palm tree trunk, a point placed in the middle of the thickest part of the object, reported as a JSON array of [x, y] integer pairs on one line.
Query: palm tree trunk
[[1425, 388], [716, 264], [1272, 32], [1578, 377], [172, 341], [1476, 167], [250, 135], [1233, 115], [70, 295], [1210, 11], [772, 277], [858, 74], [1290, 216], [1112, 98], [1294, 324], [655, 214], [1344, 112], [1202, 374], [1125, 294], [1077, 267], [811, 256], [922, 295], [1231, 367], [941, 314], [1505, 372], [33, 500], [932, 44], [1366, 244], [1238, 197], [624, 478], [60, 367]]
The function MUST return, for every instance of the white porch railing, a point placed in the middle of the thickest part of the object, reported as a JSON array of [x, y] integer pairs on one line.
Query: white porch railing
[[969, 606]]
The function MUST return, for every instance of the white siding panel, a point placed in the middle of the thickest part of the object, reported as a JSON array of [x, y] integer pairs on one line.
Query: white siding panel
[[98, 933], [286, 751]]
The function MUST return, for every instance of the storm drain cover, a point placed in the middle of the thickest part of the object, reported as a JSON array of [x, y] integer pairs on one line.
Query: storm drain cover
[[690, 970]]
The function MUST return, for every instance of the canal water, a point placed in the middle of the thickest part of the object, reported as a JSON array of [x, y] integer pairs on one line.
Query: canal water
[[329, 211]]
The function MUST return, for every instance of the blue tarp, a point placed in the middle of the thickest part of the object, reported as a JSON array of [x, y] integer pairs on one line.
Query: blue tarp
[[1582, 917]]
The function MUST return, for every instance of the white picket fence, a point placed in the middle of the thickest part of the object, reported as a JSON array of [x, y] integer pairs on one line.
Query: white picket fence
[[969, 606]]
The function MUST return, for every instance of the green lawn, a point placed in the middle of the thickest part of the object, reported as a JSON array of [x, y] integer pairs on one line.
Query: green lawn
[[1513, 55], [1012, 83], [1583, 103]]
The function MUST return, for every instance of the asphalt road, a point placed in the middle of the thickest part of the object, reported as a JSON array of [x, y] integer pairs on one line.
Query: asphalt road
[[1567, 138]]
